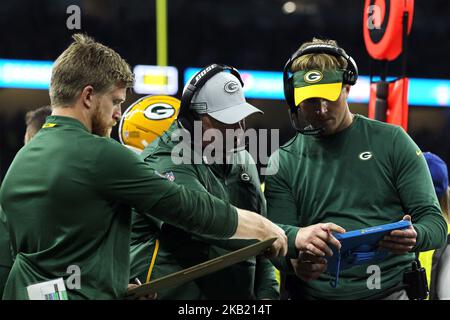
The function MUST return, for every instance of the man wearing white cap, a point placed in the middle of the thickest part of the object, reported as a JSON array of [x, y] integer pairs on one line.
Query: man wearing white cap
[[213, 99]]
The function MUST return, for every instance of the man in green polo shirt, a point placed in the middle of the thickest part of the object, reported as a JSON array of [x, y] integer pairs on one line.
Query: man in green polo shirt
[[350, 170], [218, 107], [67, 195], [236, 181]]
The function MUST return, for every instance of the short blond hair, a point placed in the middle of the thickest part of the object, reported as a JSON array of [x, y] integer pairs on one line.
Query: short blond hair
[[86, 62], [321, 61]]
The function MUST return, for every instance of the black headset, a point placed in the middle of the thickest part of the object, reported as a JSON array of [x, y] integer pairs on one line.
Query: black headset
[[186, 116], [349, 77]]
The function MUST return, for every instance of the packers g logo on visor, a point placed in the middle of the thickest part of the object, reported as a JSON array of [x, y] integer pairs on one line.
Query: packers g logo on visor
[[159, 111], [313, 76]]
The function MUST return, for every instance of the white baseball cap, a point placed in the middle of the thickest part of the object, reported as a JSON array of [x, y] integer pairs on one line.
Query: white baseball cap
[[222, 98]]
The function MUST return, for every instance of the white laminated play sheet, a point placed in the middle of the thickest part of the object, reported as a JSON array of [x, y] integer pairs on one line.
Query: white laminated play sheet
[[48, 290]]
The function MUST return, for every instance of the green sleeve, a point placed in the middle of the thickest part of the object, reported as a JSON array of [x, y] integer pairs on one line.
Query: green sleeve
[[281, 206], [284, 264], [415, 188], [184, 175], [266, 285], [143, 228], [124, 177]]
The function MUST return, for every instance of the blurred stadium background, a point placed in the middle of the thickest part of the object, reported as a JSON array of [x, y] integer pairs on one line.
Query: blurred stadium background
[[253, 35]]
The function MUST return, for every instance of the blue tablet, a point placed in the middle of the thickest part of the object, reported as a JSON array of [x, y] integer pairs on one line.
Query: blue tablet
[[360, 247]]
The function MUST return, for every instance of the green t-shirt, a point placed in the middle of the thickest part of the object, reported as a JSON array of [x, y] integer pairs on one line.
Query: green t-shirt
[[237, 183], [369, 174], [67, 198]]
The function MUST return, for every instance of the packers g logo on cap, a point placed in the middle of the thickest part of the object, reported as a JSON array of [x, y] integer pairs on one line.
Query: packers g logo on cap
[[147, 119], [231, 86], [313, 76]]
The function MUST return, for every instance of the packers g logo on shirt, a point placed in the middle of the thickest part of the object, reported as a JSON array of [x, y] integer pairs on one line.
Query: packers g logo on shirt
[[365, 155], [159, 111], [313, 76]]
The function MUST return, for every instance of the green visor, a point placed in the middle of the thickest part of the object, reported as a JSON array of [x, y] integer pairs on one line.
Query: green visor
[[325, 84]]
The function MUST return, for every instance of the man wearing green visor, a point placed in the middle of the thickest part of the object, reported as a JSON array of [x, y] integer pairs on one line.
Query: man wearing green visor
[[350, 170], [318, 100]]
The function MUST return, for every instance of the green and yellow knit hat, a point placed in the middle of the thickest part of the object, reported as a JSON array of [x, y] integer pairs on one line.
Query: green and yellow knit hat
[[326, 84]]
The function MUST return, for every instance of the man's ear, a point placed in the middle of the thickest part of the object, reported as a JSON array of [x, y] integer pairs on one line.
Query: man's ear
[[347, 89], [206, 122], [27, 137], [87, 96]]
